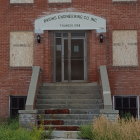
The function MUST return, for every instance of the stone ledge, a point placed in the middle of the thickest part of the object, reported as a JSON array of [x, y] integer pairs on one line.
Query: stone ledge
[[28, 118], [110, 114], [108, 111], [28, 111]]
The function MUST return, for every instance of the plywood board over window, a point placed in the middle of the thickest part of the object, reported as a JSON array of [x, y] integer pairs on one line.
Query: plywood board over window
[[125, 51], [21, 49]]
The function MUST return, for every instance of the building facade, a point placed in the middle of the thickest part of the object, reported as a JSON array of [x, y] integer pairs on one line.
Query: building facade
[[70, 40]]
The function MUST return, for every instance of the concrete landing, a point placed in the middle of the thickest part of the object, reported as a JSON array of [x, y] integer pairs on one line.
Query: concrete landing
[[62, 135]]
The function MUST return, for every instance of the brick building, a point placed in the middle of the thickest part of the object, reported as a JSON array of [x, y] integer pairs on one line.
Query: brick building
[[70, 40]]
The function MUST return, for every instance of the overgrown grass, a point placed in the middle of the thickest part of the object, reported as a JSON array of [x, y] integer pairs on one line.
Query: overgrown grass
[[103, 129], [10, 130], [86, 132]]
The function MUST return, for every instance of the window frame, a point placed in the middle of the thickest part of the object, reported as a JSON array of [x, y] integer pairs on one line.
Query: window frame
[[129, 96], [11, 97]]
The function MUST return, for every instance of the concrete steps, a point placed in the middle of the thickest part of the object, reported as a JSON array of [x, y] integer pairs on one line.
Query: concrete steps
[[66, 106]]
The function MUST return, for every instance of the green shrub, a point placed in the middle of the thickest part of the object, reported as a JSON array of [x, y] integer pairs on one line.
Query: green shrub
[[12, 131]]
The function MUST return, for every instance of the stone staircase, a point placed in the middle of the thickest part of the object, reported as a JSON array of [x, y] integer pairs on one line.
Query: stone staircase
[[67, 106]]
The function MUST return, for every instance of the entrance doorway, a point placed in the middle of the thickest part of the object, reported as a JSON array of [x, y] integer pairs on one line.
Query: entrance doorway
[[70, 56]]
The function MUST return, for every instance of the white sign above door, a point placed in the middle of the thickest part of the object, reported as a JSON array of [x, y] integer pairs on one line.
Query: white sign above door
[[70, 21]]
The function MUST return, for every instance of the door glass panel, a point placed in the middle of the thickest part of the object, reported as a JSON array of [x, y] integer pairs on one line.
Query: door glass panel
[[65, 59], [65, 35], [77, 59], [58, 50]]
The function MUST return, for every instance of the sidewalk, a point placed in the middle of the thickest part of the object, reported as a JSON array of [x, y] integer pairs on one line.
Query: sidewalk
[[65, 139]]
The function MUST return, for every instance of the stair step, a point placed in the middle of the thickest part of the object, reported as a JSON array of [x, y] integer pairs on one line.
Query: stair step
[[57, 111], [51, 122], [68, 91], [72, 111], [70, 84], [75, 83], [65, 122], [64, 127], [68, 116], [64, 96], [69, 101], [71, 106]]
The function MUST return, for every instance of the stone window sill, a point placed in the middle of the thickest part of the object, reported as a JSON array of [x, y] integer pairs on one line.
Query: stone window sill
[[21, 1], [59, 1]]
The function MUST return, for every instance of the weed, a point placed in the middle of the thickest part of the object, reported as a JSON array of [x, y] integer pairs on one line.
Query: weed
[[10, 130], [103, 129]]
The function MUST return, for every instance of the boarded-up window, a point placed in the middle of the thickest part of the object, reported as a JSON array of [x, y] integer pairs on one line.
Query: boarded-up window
[[21, 49], [125, 48]]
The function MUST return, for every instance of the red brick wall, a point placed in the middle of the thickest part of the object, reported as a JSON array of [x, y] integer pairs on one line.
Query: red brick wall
[[21, 17]]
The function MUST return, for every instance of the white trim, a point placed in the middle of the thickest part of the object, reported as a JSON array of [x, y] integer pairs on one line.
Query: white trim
[[113, 103], [9, 106], [126, 95], [138, 105]]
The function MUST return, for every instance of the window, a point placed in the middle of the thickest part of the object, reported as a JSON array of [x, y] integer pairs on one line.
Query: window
[[21, 1], [125, 48], [21, 49], [17, 103], [126, 105], [59, 1]]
